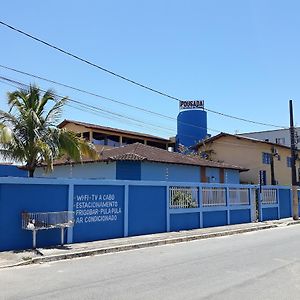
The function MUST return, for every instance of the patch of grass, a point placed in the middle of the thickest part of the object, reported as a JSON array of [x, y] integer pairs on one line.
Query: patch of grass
[[26, 258]]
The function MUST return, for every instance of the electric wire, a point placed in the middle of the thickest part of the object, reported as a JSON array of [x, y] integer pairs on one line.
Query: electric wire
[[88, 62], [91, 109], [96, 112], [106, 98], [125, 78], [107, 114]]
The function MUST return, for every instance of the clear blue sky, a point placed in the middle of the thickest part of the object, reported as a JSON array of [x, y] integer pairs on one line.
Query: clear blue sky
[[241, 57]]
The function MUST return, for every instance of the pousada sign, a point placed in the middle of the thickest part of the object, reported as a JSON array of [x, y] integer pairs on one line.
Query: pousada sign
[[191, 104]]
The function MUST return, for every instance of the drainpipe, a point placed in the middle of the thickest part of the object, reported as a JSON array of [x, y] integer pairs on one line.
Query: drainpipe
[[273, 181]]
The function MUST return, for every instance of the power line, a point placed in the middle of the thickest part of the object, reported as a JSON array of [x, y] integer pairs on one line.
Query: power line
[[88, 62], [243, 119], [123, 77], [106, 98], [93, 109], [85, 91], [84, 108], [98, 111], [133, 106]]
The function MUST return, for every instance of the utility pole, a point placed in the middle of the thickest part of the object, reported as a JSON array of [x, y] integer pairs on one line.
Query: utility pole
[[273, 180], [293, 166]]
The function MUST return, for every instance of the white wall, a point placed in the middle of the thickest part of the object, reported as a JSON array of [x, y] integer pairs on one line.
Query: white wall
[[272, 135], [97, 170]]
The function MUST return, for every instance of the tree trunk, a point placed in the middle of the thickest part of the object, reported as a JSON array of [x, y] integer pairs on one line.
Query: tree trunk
[[31, 172]]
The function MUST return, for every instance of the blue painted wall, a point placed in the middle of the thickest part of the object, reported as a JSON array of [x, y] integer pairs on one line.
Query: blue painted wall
[[13, 171], [133, 170], [231, 176], [185, 221], [99, 170], [191, 127], [18, 198], [240, 216], [214, 218], [169, 172], [298, 202], [285, 204], [99, 212], [128, 170], [147, 210], [270, 213]]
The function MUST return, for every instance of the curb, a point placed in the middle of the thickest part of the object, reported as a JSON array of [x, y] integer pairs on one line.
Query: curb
[[147, 244], [295, 222], [21, 263]]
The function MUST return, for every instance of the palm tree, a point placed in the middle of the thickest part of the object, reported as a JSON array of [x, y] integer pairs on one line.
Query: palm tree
[[28, 132]]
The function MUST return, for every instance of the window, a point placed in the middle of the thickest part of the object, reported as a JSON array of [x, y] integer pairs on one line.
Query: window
[[266, 158], [289, 162], [113, 141], [99, 138], [280, 141], [86, 135]]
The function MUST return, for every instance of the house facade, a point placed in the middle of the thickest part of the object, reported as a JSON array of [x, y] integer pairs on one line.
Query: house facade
[[279, 136], [253, 154], [142, 162], [106, 137]]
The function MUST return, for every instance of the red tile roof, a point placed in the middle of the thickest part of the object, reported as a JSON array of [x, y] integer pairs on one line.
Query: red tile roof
[[239, 137], [113, 130], [141, 152]]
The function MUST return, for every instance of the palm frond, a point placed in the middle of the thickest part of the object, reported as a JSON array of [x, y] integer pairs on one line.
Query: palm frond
[[28, 133], [49, 95], [55, 112]]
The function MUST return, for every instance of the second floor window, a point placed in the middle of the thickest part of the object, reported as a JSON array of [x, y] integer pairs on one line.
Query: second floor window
[[266, 158], [289, 162], [280, 141]]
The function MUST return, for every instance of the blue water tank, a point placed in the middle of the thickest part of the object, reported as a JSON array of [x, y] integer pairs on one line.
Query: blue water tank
[[191, 127]]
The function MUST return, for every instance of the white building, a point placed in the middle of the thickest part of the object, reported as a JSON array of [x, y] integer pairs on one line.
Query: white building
[[280, 136]]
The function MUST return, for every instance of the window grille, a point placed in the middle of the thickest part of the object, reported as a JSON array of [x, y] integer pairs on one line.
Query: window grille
[[183, 197], [214, 196], [269, 196], [239, 196]]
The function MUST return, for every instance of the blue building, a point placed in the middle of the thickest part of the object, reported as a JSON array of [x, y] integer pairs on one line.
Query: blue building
[[191, 124], [10, 170], [142, 162]]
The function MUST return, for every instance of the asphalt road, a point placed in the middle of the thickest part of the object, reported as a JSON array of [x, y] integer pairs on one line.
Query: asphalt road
[[257, 265]]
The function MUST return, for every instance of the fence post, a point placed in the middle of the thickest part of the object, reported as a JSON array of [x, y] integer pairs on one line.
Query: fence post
[[228, 204], [291, 201], [200, 206], [62, 236], [70, 208], [260, 211], [126, 200], [167, 208], [34, 239], [252, 202], [278, 202]]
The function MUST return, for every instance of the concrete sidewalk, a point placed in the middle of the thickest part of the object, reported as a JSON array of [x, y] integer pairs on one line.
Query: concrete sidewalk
[[18, 258]]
